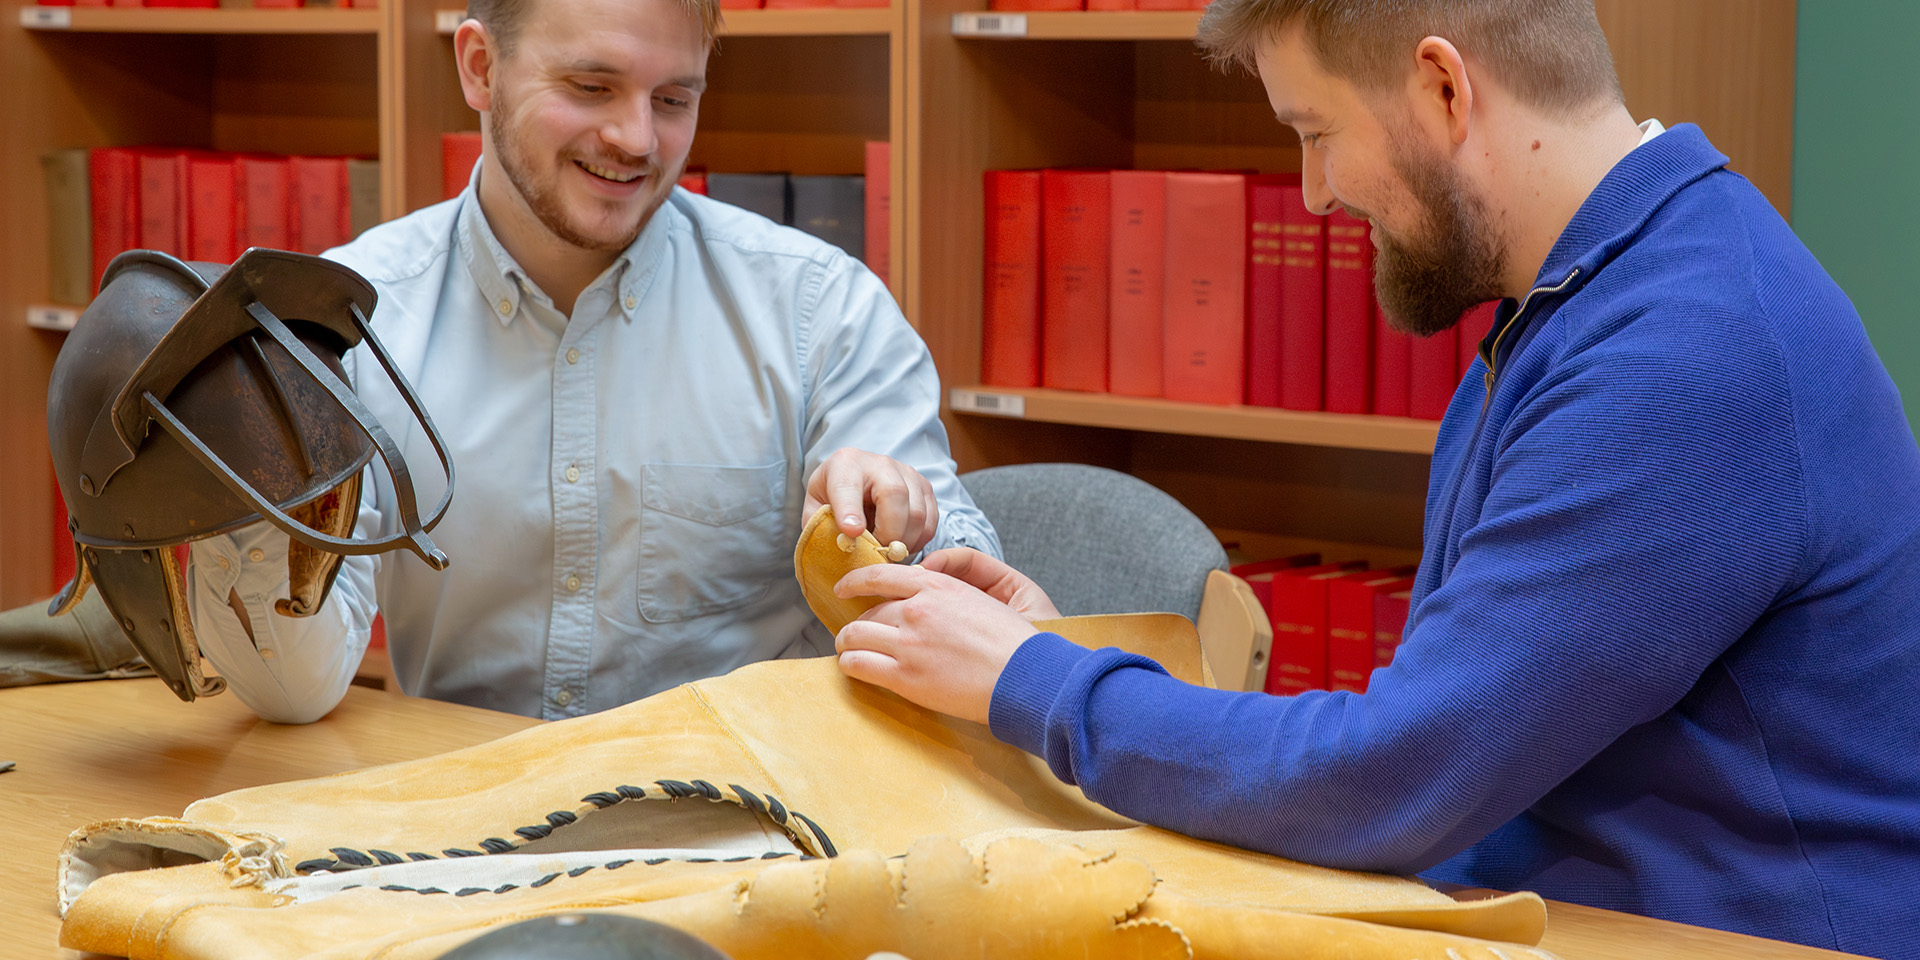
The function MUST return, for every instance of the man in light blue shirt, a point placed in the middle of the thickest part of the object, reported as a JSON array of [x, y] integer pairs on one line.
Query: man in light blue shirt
[[644, 392]]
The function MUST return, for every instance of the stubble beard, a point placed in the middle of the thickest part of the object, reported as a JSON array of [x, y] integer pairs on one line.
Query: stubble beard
[[1453, 263], [543, 197]]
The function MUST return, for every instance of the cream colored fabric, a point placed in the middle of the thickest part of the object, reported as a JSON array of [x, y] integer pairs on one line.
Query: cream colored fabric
[[688, 807]]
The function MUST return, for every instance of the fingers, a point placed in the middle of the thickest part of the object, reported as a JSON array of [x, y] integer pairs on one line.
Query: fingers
[[887, 580], [870, 667], [845, 485], [859, 485], [965, 564], [893, 501], [864, 649]]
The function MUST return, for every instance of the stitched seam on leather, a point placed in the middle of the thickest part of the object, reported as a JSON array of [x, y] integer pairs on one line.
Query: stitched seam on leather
[[165, 929], [766, 776], [770, 807]]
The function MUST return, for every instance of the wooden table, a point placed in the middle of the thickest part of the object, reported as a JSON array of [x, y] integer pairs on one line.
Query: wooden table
[[127, 748]]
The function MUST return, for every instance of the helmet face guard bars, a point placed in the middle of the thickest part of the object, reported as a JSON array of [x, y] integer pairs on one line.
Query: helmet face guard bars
[[235, 335]]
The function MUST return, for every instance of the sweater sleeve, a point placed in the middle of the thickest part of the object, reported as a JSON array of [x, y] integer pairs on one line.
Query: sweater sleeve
[[1638, 520]]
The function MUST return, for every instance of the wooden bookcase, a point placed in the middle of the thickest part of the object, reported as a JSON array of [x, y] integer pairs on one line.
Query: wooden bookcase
[[802, 90], [1128, 90]]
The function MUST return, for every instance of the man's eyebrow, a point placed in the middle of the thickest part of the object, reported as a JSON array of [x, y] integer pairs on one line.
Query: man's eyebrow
[[1293, 118], [690, 81]]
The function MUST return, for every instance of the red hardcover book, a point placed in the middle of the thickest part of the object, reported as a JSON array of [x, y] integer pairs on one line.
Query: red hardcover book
[[1112, 5], [1076, 209], [113, 194], [1392, 354], [797, 4], [693, 180], [1474, 327], [1299, 617], [879, 207], [1025, 5], [1267, 200], [262, 201], [163, 201], [1010, 321], [1136, 283], [320, 203], [205, 4], [458, 153], [1350, 320], [1350, 631], [210, 208], [1391, 602], [1303, 305], [1165, 4], [1205, 334], [1432, 373], [1259, 574], [739, 4]]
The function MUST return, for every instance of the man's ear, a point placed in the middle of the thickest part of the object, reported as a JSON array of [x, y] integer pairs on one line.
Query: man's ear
[[475, 54], [1442, 92]]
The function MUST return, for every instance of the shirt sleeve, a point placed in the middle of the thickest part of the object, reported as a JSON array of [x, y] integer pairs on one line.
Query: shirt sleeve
[[288, 669], [1622, 548], [872, 385]]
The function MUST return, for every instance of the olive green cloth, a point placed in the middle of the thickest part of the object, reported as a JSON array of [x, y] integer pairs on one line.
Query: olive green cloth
[[82, 644]]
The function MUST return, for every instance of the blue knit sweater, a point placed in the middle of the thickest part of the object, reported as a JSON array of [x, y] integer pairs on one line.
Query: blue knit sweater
[[1664, 653]]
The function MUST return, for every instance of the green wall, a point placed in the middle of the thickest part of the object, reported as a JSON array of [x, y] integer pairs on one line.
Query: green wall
[[1856, 166]]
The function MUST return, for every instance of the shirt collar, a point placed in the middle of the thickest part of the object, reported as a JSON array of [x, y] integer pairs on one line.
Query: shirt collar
[[502, 281], [1627, 197]]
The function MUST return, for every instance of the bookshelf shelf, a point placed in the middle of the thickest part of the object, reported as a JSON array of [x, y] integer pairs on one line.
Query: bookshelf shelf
[[1068, 25], [764, 23], [42, 316], [1262, 424], [194, 20]]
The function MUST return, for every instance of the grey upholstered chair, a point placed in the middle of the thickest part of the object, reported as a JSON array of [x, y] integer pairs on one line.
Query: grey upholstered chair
[[1097, 540]]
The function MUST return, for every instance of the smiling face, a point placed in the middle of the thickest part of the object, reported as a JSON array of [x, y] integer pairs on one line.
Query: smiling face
[[591, 114], [1438, 252]]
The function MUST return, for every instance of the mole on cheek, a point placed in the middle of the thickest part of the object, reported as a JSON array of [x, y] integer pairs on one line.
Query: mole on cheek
[[1536, 144]]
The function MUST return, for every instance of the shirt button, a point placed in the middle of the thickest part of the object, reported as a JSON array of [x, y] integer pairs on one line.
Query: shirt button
[[563, 698], [631, 302], [573, 582], [506, 306], [573, 474], [266, 653], [224, 563], [256, 554], [573, 355]]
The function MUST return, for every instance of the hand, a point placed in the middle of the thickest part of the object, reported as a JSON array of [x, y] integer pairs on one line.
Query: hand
[[868, 487], [999, 581], [938, 641]]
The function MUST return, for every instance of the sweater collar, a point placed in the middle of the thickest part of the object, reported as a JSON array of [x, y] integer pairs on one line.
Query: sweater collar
[[1626, 198]]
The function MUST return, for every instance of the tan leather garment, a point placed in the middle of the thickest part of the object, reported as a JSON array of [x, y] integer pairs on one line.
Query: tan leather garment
[[779, 811]]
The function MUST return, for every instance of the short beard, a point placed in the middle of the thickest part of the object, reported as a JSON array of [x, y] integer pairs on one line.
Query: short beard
[[541, 199], [1455, 261]]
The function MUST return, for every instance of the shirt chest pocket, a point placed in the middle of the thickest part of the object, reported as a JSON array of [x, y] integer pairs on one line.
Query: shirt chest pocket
[[711, 538]]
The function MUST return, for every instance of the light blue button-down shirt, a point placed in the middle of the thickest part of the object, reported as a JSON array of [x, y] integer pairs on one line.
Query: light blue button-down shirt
[[629, 480]]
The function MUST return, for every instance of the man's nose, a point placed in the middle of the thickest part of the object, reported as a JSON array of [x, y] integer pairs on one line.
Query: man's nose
[[1313, 184], [632, 131]]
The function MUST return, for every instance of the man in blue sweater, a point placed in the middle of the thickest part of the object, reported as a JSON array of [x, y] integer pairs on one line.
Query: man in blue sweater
[[1664, 654]]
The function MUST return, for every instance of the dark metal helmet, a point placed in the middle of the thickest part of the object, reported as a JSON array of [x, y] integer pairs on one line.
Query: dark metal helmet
[[241, 369]]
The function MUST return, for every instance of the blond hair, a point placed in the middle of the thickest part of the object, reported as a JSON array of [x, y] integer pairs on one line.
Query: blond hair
[[504, 18]]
